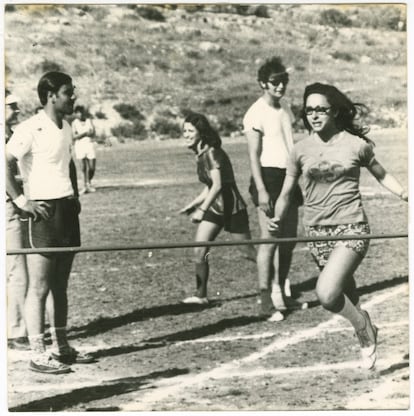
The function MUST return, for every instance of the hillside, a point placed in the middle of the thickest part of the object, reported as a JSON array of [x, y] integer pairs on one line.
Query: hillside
[[155, 63]]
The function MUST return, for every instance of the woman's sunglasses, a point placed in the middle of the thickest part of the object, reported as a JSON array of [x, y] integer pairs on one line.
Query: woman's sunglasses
[[320, 111]]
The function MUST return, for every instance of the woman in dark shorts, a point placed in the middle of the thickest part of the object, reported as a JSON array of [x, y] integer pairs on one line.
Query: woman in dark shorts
[[219, 205]]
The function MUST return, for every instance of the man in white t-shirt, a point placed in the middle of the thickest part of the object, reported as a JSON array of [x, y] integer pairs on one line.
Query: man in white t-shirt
[[42, 147], [83, 131], [268, 128]]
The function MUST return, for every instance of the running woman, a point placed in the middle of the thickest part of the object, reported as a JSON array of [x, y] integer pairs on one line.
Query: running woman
[[329, 161]]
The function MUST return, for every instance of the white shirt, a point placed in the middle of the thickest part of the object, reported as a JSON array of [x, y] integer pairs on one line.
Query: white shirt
[[275, 125], [80, 127], [44, 152]]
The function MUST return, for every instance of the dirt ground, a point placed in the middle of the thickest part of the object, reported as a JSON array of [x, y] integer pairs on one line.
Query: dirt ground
[[155, 354], [170, 357]]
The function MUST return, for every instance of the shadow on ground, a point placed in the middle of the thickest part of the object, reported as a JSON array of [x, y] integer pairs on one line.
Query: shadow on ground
[[97, 392], [103, 325]]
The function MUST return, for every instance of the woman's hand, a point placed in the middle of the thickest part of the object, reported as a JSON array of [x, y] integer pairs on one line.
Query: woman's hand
[[187, 210], [197, 216], [273, 225]]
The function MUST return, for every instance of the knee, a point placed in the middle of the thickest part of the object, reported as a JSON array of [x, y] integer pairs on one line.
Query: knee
[[38, 291], [329, 299], [201, 255], [266, 251]]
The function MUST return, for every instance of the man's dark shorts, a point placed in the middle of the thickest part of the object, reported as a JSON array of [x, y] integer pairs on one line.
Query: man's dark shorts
[[60, 230], [273, 179]]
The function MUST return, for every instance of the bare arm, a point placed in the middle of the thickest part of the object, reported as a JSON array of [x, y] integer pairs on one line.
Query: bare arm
[[254, 142], [188, 209], [212, 194], [282, 203], [91, 132], [36, 209], [387, 180]]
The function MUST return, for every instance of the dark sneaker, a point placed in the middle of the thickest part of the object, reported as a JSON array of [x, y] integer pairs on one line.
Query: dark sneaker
[[48, 365], [367, 337], [21, 344], [73, 356]]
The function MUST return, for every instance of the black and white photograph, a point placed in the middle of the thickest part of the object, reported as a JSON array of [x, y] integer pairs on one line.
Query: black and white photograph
[[207, 207]]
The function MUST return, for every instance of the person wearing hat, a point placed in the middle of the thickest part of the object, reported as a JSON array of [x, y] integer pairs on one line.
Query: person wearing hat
[[268, 129], [16, 268]]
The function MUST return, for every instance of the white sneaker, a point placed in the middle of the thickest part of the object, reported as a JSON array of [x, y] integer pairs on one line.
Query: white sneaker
[[367, 337], [195, 300], [295, 304], [276, 317]]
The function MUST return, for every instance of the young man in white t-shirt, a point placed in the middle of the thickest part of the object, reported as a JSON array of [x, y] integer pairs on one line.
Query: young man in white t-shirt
[[42, 146], [268, 128]]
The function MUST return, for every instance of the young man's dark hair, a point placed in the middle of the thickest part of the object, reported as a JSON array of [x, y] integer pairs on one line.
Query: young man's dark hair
[[273, 65], [51, 81]]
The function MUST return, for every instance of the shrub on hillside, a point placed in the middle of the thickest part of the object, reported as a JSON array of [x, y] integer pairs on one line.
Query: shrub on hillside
[[335, 18], [343, 56], [261, 11], [128, 112], [100, 115], [226, 126], [391, 17], [150, 13], [165, 126], [133, 130], [47, 66]]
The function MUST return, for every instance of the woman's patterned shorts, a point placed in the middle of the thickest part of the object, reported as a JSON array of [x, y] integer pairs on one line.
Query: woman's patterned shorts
[[321, 250]]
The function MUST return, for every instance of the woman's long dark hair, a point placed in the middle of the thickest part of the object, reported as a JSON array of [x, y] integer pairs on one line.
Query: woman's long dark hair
[[208, 134], [347, 112]]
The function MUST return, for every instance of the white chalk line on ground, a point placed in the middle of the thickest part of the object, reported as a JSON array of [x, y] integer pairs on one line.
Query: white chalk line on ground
[[166, 387], [16, 355]]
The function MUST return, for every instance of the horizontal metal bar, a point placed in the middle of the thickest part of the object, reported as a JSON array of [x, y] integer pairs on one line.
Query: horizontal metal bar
[[162, 246]]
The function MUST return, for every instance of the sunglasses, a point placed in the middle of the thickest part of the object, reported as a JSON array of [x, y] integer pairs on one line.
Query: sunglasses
[[281, 79], [13, 106], [320, 111]]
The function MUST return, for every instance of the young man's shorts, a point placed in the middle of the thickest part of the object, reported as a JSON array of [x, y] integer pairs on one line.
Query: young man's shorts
[[321, 250], [237, 223], [273, 179], [60, 230], [85, 148]]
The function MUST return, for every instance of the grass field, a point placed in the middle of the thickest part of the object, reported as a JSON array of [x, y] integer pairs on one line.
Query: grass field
[[154, 353]]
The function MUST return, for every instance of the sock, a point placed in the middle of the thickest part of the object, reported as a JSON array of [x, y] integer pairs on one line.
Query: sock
[[37, 343], [353, 314], [59, 339], [277, 297], [266, 299]]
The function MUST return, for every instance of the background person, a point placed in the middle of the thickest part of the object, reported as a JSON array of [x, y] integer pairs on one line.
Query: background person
[[42, 146], [268, 128], [219, 205], [329, 160], [83, 132], [16, 268]]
